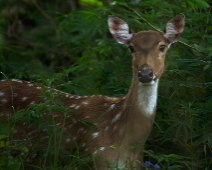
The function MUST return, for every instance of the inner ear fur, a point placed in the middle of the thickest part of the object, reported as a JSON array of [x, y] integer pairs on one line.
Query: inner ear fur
[[174, 28]]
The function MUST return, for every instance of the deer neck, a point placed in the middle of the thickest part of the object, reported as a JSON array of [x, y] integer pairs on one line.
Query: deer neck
[[143, 98], [139, 112]]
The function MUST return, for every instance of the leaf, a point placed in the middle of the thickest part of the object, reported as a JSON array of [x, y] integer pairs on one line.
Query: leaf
[[3, 137], [183, 40], [206, 67], [87, 124], [91, 2], [112, 146], [200, 48]]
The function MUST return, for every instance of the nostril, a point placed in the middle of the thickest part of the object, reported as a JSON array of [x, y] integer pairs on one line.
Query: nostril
[[151, 73], [145, 76]]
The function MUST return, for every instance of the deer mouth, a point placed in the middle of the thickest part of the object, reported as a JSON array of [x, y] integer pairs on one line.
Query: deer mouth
[[149, 83]]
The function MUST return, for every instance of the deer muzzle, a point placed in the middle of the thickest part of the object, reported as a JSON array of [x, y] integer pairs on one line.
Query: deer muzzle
[[145, 76]]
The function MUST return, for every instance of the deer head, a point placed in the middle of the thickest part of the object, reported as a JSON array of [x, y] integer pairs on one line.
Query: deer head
[[148, 48]]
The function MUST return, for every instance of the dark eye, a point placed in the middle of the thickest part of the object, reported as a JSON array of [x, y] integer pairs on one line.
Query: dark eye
[[162, 48], [131, 49]]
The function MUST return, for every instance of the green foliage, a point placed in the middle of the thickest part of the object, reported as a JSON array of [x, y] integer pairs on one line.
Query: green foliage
[[68, 47]]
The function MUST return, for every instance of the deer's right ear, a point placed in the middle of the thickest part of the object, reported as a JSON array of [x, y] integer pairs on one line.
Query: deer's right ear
[[119, 29]]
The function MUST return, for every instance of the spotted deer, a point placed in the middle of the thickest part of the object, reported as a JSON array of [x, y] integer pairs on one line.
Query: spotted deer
[[110, 130]]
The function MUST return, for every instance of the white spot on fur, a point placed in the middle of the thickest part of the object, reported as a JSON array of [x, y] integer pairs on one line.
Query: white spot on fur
[[1, 94], [3, 101], [106, 128], [73, 105], [77, 107], [32, 132], [112, 107], [80, 130], [116, 118], [68, 140], [44, 130], [19, 81], [30, 84], [95, 152], [38, 87], [94, 135], [32, 102], [113, 99], [46, 137], [102, 148], [24, 98], [85, 103]]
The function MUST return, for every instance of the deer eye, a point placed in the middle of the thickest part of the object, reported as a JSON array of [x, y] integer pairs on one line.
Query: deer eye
[[162, 48], [131, 49]]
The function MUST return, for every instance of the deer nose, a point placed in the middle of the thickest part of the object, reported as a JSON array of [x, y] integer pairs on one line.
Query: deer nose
[[145, 76]]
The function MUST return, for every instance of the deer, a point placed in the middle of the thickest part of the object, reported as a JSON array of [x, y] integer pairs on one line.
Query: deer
[[106, 129]]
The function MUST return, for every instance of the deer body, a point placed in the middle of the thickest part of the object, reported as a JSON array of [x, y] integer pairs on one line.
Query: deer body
[[120, 124]]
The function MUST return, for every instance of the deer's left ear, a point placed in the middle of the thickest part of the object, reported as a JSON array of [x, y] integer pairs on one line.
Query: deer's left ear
[[119, 29], [174, 28]]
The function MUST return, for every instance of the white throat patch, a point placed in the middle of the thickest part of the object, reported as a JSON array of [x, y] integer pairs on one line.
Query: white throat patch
[[147, 98]]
